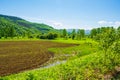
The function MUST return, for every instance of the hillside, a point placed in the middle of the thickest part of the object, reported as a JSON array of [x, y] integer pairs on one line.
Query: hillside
[[22, 26]]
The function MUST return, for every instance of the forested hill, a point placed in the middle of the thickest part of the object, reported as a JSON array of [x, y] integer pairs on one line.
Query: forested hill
[[21, 26]]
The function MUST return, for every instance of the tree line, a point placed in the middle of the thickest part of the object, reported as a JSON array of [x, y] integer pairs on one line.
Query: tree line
[[8, 29]]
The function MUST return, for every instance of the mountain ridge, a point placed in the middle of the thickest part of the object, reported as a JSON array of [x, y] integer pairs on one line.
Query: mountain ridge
[[26, 24]]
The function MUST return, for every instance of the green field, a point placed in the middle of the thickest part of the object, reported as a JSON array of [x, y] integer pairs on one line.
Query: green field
[[83, 62]]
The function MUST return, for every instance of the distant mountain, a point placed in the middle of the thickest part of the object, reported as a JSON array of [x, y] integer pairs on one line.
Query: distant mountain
[[86, 31], [22, 25]]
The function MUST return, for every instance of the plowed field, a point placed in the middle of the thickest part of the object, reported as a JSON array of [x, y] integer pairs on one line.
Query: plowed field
[[17, 56]]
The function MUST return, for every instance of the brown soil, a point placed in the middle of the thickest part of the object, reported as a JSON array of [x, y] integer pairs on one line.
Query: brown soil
[[17, 56]]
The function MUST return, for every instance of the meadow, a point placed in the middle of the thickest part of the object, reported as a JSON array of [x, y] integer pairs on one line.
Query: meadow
[[57, 59], [85, 61]]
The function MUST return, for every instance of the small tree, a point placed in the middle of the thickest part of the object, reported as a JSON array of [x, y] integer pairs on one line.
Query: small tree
[[73, 34], [106, 41], [29, 34], [64, 33], [12, 31], [93, 33], [80, 34]]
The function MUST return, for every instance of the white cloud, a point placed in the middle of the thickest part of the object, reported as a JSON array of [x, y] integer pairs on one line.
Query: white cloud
[[55, 24], [117, 23], [60, 25], [102, 22], [109, 23]]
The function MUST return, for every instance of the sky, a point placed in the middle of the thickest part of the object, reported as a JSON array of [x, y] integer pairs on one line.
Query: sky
[[69, 14]]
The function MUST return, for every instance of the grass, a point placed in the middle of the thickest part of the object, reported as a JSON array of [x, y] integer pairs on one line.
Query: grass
[[87, 40], [86, 64], [82, 48], [19, 39], [87, 67]]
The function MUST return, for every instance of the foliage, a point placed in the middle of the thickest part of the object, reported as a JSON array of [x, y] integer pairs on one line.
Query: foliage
[[73, 34], [107, 38], [64, 33], [93, 33], [20, 27], [7, 29], [80, 34], [49, 35], [118, 32], [109, 43]]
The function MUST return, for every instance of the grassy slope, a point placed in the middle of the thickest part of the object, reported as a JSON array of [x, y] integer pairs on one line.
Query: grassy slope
[[79, 68], [22, 25]]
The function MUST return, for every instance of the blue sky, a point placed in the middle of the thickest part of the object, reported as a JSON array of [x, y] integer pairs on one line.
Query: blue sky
[[85, 14]]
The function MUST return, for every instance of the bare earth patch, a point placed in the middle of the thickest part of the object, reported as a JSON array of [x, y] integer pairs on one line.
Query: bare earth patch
[[17, 56]]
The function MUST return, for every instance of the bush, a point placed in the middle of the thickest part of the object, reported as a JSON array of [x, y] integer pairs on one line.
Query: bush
[[30, 37], [42, 37], [49, 36]]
